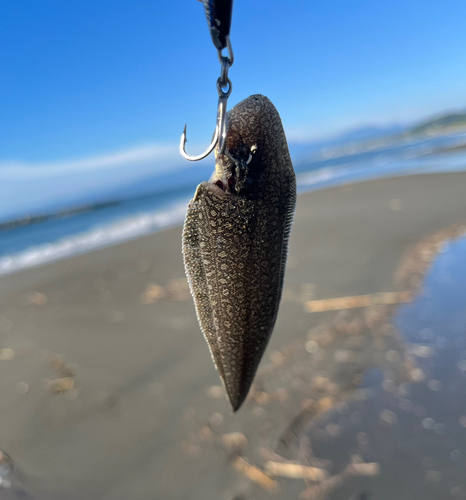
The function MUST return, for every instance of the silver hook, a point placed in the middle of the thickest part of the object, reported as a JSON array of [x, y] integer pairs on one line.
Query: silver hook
[[220, 133], [204, 154]]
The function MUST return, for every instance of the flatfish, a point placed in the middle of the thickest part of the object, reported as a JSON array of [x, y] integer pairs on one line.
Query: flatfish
[[235, 242]]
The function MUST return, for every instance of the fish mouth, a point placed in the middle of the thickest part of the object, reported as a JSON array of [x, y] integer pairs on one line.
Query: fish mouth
[[223, 177], [232, 170], [216, 187], [223, 186]]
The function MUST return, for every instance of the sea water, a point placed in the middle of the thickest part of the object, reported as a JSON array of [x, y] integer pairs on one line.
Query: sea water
[[140, 213]]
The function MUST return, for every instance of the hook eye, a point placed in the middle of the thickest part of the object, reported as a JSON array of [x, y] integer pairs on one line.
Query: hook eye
[[221, 86]]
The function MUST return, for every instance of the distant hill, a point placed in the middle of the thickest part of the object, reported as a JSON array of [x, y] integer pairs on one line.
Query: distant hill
[[304, 150], [367, 133], [436, 125]]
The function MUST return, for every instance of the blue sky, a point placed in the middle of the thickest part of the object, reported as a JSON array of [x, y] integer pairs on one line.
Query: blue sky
[[87, 83]]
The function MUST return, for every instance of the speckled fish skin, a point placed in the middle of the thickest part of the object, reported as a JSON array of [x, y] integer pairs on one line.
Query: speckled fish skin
[[235, 243]]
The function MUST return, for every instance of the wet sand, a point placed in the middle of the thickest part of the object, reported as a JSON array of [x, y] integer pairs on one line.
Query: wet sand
[[106, 380]]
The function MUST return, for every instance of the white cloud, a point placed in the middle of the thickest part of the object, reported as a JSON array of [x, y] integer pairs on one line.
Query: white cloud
[[159, 155]]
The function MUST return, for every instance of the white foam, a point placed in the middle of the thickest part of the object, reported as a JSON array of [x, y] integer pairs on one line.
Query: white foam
[[147, 223], [97, 237], [348, 174]]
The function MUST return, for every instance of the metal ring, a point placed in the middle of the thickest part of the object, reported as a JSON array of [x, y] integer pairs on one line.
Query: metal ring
[[224, 71], [230, 57], [220, 87]]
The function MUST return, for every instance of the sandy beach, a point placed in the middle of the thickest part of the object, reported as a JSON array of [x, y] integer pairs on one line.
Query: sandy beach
[[107, 388]]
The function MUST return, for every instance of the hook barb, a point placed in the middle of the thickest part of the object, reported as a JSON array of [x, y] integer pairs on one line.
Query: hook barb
[[202, 155]]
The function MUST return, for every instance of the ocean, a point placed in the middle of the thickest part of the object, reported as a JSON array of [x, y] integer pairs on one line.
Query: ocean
[[160, 201]]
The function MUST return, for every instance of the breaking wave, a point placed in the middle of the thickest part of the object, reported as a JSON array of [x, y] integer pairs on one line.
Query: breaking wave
[[97, 237]]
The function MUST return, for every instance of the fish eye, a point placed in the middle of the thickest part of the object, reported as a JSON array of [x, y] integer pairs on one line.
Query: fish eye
[[251, 154]]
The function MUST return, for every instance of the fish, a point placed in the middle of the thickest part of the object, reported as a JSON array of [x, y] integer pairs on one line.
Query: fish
[[235, 242]]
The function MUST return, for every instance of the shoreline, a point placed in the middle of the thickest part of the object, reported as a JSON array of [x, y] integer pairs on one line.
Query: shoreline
[[106, 232], [134, 227]]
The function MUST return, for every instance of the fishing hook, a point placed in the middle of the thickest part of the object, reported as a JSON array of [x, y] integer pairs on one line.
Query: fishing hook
[[220, 133]]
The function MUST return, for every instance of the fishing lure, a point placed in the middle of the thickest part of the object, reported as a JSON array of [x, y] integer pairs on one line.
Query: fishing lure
[[235, 242], [218, 15]]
